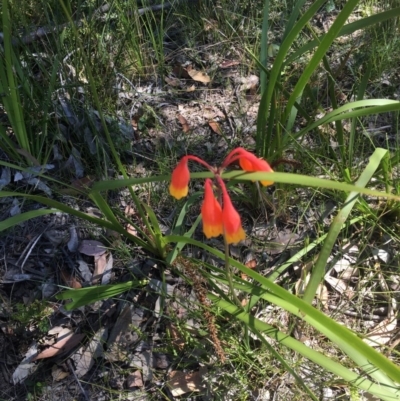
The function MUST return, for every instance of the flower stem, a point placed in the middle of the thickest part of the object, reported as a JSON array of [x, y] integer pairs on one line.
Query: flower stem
[[200, 161], [229, 275]]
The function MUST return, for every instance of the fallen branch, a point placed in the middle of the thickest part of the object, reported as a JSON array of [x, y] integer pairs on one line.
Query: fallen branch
[[48, 30]]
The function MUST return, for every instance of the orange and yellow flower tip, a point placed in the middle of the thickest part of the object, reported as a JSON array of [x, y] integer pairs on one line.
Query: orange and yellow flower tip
[[211, 213], [249, 162], [233, 229], [179, 186]]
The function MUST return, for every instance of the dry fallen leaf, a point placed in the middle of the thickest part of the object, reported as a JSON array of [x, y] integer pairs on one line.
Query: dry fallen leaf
[[93, 351], [215, 127], [177, 339], [26, 367], [181, 383], [184, 123], [180, 71], [349, 273], [210, 24], [70, 280], [337, 284], [302, 283], [83, 183], [229, 63], [323, 295], [58, 373], [119, 338], [385, 330], [382, 333], [73, 242], [130, 211], [134, 380], [105, 279], [172, 81], [61, 346], [100, 262], [250, 262], [199, 76], [92, 248]]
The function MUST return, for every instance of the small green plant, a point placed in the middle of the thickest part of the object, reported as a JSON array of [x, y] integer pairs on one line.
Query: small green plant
[[36, 314], [35, 390]]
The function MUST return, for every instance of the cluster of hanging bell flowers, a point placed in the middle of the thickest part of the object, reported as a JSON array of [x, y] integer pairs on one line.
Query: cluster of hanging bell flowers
[[218, 219]]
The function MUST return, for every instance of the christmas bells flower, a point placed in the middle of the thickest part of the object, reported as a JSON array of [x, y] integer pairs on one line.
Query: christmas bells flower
[[250, 163], [179, 186], [218, 219], [211, 213]]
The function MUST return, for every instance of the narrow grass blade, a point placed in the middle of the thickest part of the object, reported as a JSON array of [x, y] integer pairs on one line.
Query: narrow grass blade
[[319, 269], [354, 379], [357, 109], [20, 218], [265, 104], [181, 244], [303, 180], [108, 185], [104, 207], [89, 295], [338, 123], [293, 17], [11, 99], [287, 178], [297, 257], [331, 332], [155, 231], [326, 42], [66, 209], [178, 227], [360, 96], [264, 46], [96, 100], [347, 30], [304, 309]]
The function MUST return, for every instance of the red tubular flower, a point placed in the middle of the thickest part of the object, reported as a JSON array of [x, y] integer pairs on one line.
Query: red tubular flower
[[179, 186], [211, 212], [232, 223], [249, 162], [253, 163]]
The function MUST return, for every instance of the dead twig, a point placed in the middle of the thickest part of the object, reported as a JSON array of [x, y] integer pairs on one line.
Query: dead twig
[[83, 391], [49, 30]]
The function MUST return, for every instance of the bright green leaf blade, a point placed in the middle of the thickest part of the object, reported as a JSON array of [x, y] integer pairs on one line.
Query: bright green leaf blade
[[108, 185], [15, 220], [379, 360], [348, 30], [303, 180], [286, 178], [323, 47], [265, 107], [105, 209], [66, 209], [334, 230], [264, 45], [327, 363], [89, 295]]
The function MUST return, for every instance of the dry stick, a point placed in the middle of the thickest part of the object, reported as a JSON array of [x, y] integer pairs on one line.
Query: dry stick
[[84, 392], [47, 30]]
